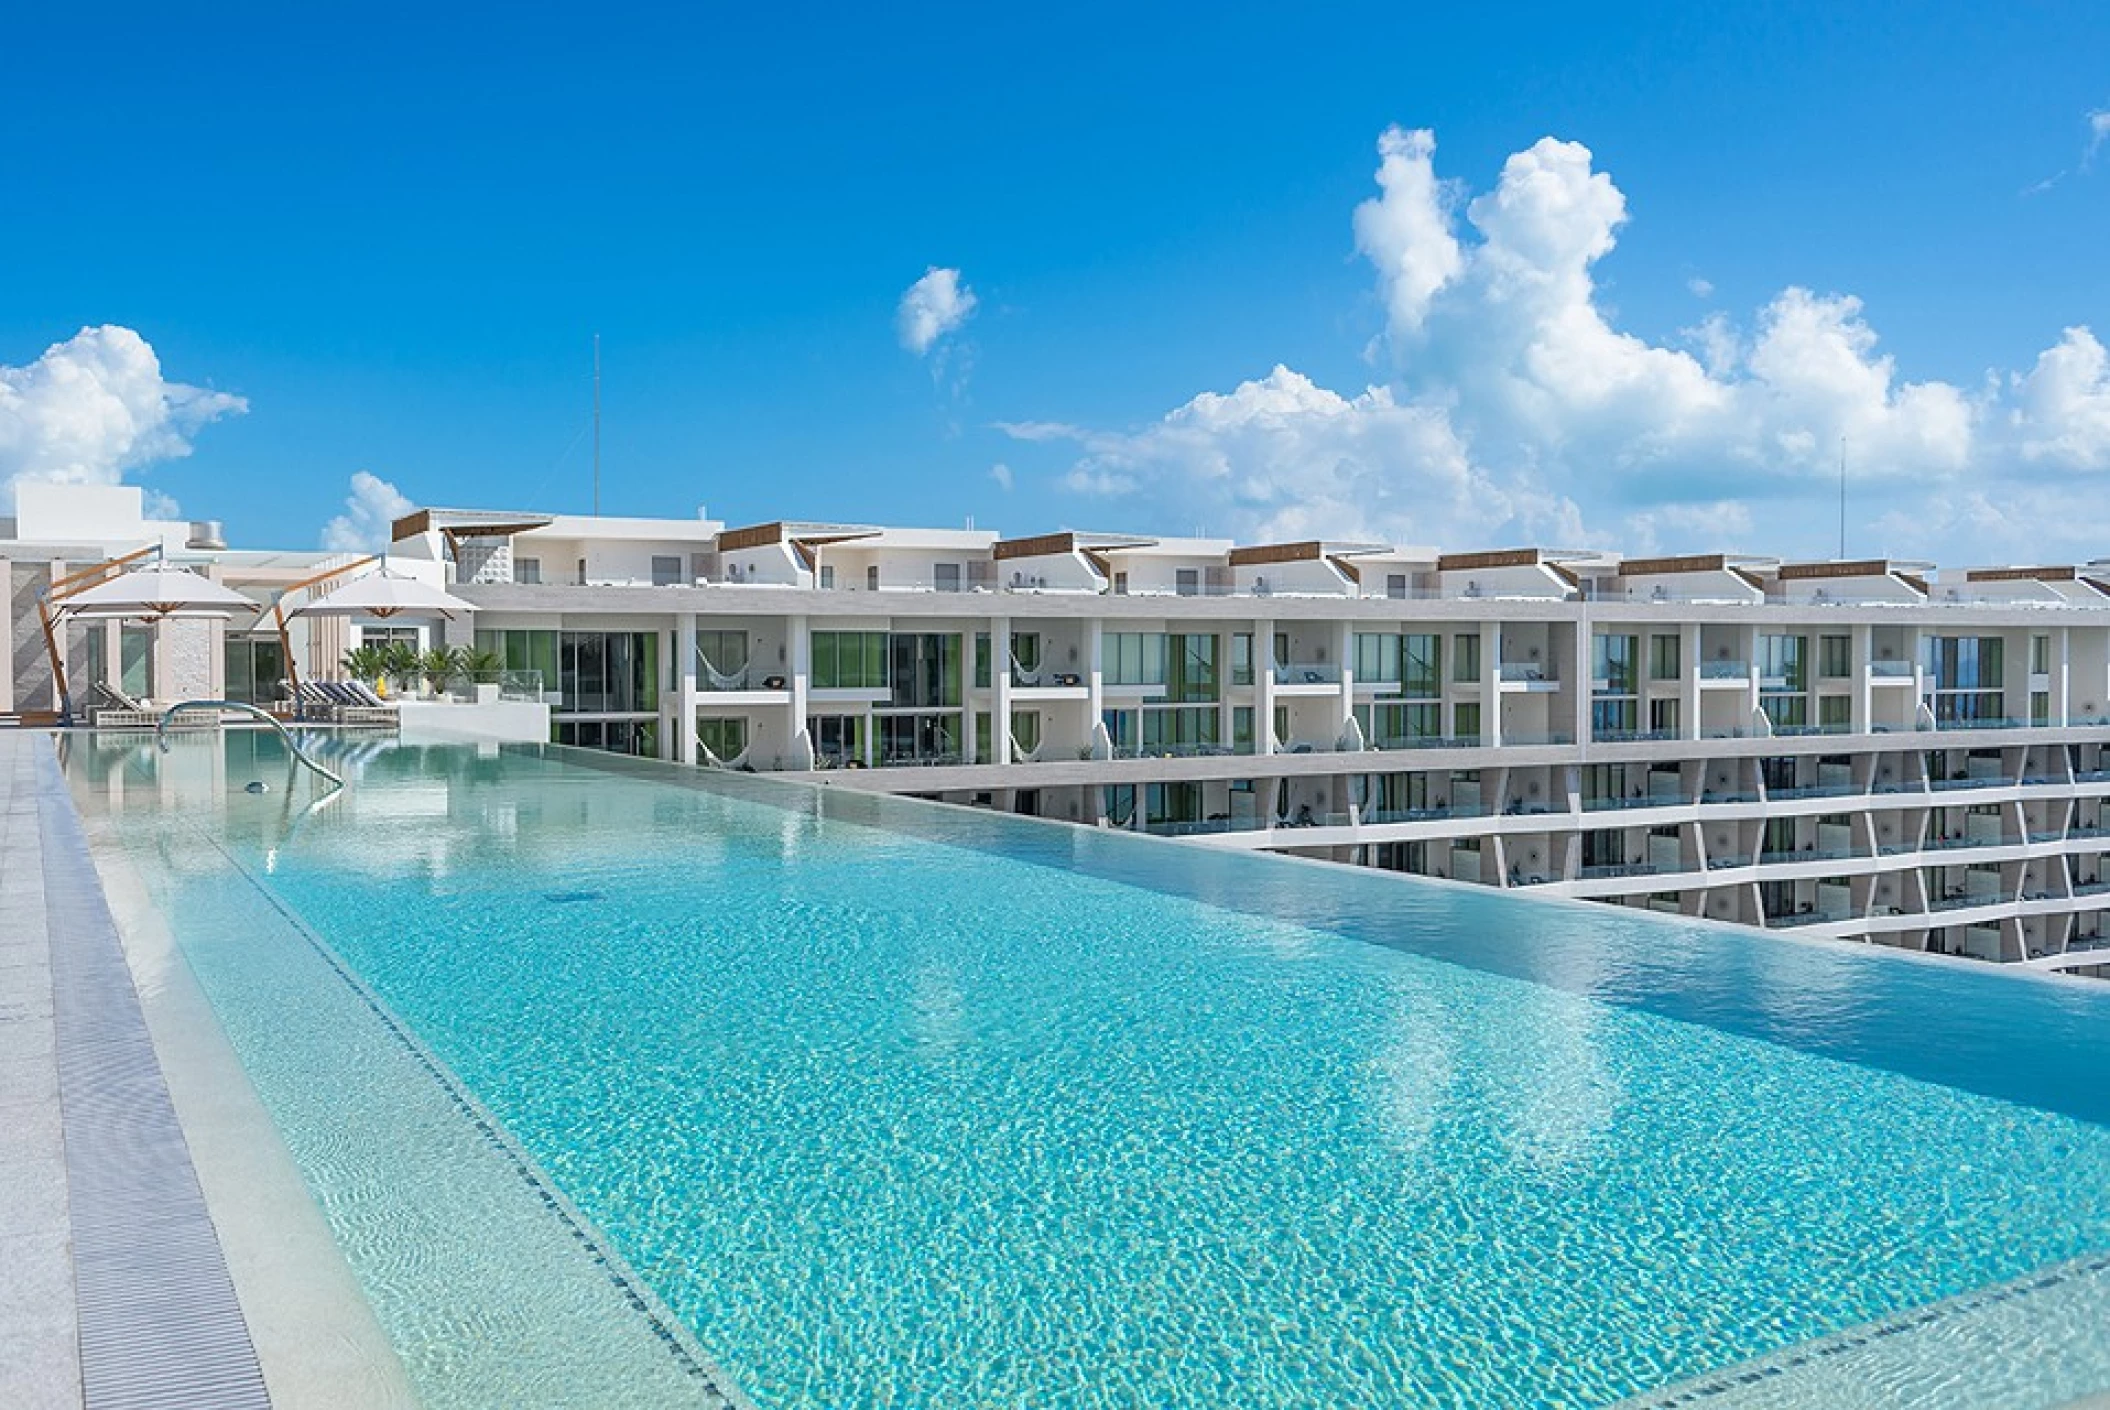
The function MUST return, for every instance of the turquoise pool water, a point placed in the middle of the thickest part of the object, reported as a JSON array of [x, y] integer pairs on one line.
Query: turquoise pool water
[[897, 1105]]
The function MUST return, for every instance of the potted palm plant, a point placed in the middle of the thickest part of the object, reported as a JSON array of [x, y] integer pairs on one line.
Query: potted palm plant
[[482, 668], [438, 666], [367, 663], [400, 662]]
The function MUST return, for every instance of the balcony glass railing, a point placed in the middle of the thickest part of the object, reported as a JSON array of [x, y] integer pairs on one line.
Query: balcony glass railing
[[1307, 673], [1639, 800], [1978, 781], [1741, 859], [1725, 670], [1812, 790], [1425, 741], [1526, 741], [1807, 918], [1951, 844], [1890, 670], [1967, 900], [1813, 854], [1409, 815], [1529, 671], [1603, 871]]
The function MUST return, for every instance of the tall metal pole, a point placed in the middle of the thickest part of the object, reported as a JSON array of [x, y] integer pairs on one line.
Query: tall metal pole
[[1842, 499], [597, 424]]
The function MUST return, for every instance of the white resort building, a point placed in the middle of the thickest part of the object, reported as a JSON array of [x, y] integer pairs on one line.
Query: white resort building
[[1863, 750]]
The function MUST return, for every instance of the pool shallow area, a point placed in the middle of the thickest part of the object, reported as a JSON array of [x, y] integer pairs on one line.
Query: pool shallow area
[[887, 1104]]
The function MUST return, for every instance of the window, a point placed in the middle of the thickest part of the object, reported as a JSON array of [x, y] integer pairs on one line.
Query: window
[[849, 661], [1465, 657], [1242, 659], [608, 672], [1393, 725], [1835, 713], [1466, 720], [1964, 674], [1787, 712], [524, 651], [1781, 662], [1191, 658], [1121, 584], [1663, 718], [1025, 730], [527, 570], [1663, 657], [1395, 585], [1421, 665], [1835, 657], [1133, 658], [1612, 664], [981, 668], [1242, 729], [1188, 582], [255, 667], [722, 739], [666, 570], [1612, 717], [827, 577], [1376, 658], [837, 739], [945, 577], [872, 578], [924, 668], [2040, 655], [722, 660], [2040, 707]]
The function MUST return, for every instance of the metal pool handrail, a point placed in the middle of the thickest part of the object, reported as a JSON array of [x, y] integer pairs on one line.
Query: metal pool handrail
[[161, 730]]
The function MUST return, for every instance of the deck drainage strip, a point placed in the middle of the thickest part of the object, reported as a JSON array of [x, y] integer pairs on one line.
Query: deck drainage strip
[[159, 1323], [716, 1386]]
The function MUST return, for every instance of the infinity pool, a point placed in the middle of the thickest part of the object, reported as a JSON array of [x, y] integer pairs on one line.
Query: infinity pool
[[890, 1104]]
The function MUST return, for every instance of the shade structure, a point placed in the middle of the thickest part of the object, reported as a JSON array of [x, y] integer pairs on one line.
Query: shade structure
[[159, 591], [383, 595]]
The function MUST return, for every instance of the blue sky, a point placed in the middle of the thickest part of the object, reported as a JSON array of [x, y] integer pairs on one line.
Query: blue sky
[[393, 233]]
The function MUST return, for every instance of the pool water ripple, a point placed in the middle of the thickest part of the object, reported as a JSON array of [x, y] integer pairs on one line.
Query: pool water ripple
[[887, 1122]]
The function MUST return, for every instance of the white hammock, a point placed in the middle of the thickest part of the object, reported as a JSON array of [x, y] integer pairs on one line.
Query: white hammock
[[1021, 676], [1027, 756], [720, 681], [712, 761]]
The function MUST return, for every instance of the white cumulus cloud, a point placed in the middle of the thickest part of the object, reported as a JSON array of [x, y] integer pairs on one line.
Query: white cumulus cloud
[[369, 510], [95, 407], [934, 306], [1001, 473], [1517, 407]]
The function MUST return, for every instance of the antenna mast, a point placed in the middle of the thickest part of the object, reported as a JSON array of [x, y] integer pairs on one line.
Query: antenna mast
[[1842, 499], [597, 425]]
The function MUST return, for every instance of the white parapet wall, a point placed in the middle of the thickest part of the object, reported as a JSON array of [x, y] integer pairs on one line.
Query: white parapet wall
[[486, 721]]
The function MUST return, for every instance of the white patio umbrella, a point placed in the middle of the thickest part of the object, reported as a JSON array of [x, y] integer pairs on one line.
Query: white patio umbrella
[[156, 592], [383, 595]]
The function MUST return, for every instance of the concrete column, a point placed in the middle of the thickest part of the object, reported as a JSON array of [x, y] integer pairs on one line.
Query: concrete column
[[1344, 648], [685, 687], [1864, 677], [1491, 683], [1000, 684], [1264, 681], [798, 672], [1582, 653], [2061, 675], [1689, 665], [1749, 638], [1094, 674]]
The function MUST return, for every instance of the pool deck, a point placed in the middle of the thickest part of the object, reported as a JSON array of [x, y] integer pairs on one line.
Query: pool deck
[[124, 1277]]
